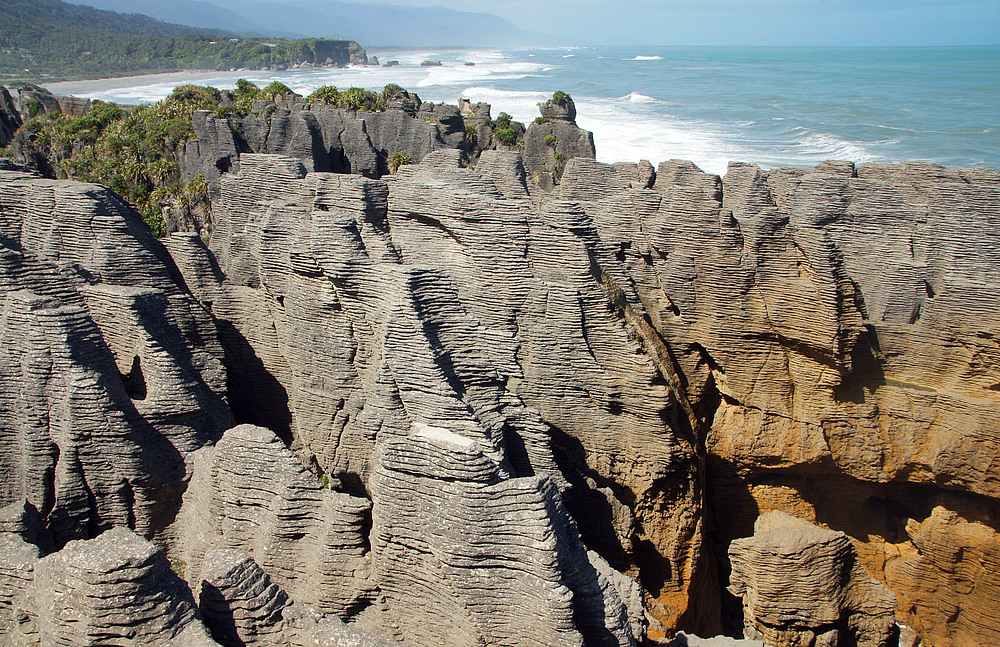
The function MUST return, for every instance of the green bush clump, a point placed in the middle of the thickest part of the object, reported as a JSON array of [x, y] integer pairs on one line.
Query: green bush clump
[[559, 97], [129, 150], [34, 107], [471, 136], [393, 91], [560, 157], [551, 140], [328, 94], [399, 158], [541, 120], [276, 89], [503, 130], [361, 100], [201, 97]]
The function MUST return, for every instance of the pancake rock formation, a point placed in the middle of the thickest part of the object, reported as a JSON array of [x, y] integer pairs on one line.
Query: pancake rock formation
[[469, 407], [803, 585]]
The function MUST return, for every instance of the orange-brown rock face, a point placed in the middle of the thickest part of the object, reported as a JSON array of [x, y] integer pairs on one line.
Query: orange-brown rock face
[[835, 331]]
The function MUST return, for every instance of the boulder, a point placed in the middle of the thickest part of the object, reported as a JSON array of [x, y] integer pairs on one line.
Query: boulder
[[803, 585], [115, 589]]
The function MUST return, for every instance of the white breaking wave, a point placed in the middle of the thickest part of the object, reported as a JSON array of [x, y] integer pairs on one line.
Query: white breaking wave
[[826, 146], [645, 58], [638, 97]]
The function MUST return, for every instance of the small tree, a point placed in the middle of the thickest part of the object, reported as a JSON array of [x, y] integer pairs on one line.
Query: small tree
[[276, 89], [327, 94], [399, 158], [393, 91]]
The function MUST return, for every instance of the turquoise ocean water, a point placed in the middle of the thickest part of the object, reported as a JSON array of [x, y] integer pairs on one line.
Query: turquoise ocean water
[[771, 106]]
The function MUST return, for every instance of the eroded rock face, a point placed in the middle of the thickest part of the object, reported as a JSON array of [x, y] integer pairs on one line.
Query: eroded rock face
[[550, 143], [803, 585], [760, 328], [503, 553], [322, 137], [10, 117], [111, 371], [242, 607], [389, 346], [250, 493], [626, 370], [115, 589]]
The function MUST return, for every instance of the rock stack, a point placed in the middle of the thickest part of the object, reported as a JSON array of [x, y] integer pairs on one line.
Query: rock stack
[[803, 585], [116, 589]]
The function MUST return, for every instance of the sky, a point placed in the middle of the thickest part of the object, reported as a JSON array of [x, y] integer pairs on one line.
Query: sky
[[747, 22]]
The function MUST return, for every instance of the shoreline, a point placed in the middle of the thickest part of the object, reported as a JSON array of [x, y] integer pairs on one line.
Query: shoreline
[[67, 88]]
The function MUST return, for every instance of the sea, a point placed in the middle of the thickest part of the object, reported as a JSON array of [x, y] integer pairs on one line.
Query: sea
[[773, 106]]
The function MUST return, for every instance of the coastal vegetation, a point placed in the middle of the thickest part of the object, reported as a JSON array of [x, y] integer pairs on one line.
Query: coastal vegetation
[[400, 158], [134, 149], [131, 150], [357, 98], [52, 39], [503, 131]]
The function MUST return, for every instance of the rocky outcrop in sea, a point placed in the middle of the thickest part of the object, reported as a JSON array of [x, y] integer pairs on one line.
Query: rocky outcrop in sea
[[490, 406]]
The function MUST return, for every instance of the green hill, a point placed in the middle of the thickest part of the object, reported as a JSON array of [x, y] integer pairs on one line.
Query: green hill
[[49, 38]]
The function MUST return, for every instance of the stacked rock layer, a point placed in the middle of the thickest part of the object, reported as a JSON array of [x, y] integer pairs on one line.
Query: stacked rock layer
[[480, 408]]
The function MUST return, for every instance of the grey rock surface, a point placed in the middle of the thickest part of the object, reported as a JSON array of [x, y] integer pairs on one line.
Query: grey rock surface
[[251, 494], [111, 370], [339, 300], [242, 606], [10, 117], [115, 589], [802, 584], [322, 137], [550, 144], [557, 407]]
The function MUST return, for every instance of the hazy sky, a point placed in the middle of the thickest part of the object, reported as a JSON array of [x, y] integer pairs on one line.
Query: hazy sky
[[749, 22]]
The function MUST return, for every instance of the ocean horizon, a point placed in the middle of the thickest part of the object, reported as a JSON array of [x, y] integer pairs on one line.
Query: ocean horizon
[[772, 106]]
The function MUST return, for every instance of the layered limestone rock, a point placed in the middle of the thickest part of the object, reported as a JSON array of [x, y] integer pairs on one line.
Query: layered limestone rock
[[369, 347], [242, 606], [116, 589], [554, 139], [824, 371], [21, 531], [111, 371], [803, 585], [951, 578], [502, 553], [250, 493], [649, 359], [322, 137]]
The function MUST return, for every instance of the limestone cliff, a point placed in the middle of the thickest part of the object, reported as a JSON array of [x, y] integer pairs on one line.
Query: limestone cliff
[[477, 410]]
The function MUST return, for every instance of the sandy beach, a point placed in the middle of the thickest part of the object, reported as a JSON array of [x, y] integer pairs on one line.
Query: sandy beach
[[90, 86]]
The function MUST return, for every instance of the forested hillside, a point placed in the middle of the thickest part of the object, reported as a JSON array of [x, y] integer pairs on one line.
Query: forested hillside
[[49, 38]]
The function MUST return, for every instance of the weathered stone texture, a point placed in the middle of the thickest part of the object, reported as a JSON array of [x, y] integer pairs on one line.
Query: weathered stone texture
[[556, 407], [803, 586], [550, 144], [111, 370], [117, 589], [251, 494]]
